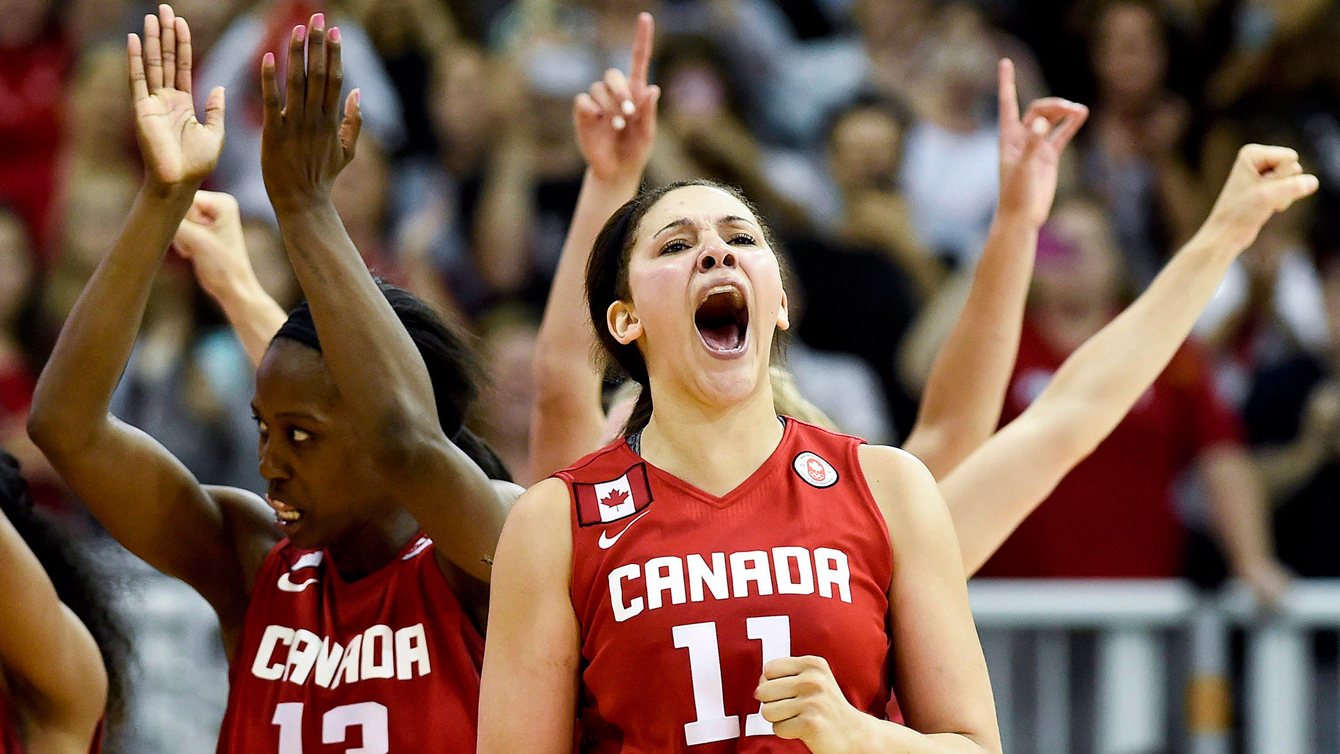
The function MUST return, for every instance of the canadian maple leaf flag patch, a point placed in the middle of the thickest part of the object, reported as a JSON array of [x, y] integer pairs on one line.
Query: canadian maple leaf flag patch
[[603, 502]]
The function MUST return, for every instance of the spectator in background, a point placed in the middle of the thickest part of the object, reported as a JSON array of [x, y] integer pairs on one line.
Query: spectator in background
[[505, 406], [1269, 307], [1293, 420], [34, 71], [1113, 516], [408, 35], [99, 141], [234, 63], [18, 374], [949, 171], [491, 213], [1133, 154]]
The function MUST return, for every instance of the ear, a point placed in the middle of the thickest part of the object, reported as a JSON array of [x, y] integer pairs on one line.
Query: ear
[[783, 316], [621, 319]]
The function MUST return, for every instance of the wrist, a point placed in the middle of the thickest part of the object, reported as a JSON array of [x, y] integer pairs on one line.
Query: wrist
[[624, 181], [175, 193], [299, 202]]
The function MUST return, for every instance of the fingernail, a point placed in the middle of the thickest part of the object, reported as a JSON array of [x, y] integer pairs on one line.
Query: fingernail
[[628, 108], [1040, 126], [300, 33], [358, 96], [334, 33], [269, 59], [618, 122], [319, 21]]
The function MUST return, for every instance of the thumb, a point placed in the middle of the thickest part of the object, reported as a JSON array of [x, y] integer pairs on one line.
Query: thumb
[[214, 111], [1281, 193], [352, 123]]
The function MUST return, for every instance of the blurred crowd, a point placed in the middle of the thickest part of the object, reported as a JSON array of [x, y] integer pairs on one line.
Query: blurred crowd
[[865, 130]]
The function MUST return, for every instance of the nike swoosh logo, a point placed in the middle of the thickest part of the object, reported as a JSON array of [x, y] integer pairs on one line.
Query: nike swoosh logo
[[606, 541], [286, 584]]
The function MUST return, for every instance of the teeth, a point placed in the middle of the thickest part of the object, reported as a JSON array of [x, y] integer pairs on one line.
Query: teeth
[[289, 515]]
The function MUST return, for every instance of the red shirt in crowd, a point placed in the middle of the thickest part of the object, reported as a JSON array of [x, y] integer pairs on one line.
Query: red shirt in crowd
[[1113, 516], [32, 96]]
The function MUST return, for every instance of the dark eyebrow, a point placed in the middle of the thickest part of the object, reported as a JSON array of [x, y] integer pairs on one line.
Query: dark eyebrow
[[681, 222], [735, 220]]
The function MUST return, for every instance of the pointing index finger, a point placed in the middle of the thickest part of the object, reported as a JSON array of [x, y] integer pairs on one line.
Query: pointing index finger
[[1009, 95], [646, 29]]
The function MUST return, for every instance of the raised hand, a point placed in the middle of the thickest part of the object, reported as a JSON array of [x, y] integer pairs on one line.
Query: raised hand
[[1264, 180], [616, 119], [211, 237], [1030, 147], [307, 141], [177, 148]]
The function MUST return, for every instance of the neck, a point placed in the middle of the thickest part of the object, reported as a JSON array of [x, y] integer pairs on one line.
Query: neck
[[711, 448], [1066, 330], [367, 549]]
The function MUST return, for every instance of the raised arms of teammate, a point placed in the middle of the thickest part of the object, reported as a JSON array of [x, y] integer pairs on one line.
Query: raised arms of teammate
[[214, 539], [47, 650], [567, 421], [992, 491], [211, 237], [961, 404], [306, 141]]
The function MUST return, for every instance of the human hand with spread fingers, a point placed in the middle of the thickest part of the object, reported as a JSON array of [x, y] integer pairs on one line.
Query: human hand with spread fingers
[[310, 134]]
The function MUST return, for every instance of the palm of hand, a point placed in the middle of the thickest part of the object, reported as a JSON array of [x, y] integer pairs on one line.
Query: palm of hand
[[610, 152], [176, 146]]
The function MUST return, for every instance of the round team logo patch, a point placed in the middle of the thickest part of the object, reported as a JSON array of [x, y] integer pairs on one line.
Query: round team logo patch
[[815, 471]]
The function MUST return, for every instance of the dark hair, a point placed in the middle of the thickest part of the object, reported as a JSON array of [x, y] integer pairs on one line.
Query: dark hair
[[453, 366], [81, 584], [607, 282]]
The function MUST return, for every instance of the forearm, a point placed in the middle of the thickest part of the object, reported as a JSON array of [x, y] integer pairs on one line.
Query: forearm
[[253, 315], [75, 389], [885, 737], [375, 364], [568, 419], [958, 414], [503, 218], [1101, 380], [1238, 504], [1284, 469], [41, 642]]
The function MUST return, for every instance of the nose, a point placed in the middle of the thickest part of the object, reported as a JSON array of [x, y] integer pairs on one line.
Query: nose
[[716, 254], [274, 466]]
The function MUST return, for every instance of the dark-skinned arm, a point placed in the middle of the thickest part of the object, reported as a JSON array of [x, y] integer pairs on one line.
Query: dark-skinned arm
[[376, 366], [957, 414], [141, 494]]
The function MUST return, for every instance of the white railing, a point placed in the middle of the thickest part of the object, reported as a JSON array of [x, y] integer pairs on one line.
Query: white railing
[[1132, 620]]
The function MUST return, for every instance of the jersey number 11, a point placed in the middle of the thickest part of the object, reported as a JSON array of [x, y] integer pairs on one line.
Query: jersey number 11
[[713, 724]]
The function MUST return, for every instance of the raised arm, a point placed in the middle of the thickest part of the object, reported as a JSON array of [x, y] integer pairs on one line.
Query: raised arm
[[211, 237], [961, 404], [616, 139], [996, 487], [47, 650], [142, 495], [378, 370]]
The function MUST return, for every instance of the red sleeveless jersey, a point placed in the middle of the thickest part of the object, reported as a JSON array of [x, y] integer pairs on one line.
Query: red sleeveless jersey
[[387, 664], [683, 596]]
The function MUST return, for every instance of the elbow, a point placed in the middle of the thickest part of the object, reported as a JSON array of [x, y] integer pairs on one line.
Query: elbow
[[52, 430]]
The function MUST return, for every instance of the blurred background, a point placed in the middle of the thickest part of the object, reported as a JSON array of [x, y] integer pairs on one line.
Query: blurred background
[[866, 132]]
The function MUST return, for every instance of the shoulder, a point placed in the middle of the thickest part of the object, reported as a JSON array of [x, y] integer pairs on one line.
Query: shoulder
[[904, 489], [614, 458], [249, 521], [537, 537]]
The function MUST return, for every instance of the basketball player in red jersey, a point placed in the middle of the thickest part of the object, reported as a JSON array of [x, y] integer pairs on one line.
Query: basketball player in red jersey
[[989, 488], [715, 541], [344, 602], [62, 650]]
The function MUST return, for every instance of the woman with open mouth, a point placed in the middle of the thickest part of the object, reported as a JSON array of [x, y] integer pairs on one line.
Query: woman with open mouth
[[351, 599], [721, 578]]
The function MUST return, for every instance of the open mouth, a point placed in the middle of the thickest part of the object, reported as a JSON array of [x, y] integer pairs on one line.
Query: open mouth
[[722, 320], [285, 514]]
